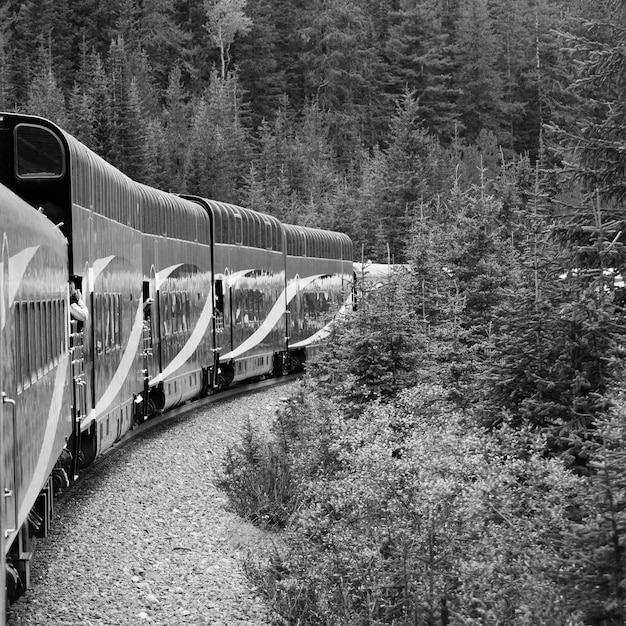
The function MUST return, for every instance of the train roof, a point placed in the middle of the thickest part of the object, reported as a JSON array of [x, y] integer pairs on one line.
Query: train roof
[[237, 225], [316, 242], [124, 200]]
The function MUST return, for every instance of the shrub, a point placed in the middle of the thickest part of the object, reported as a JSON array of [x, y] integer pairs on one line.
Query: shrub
[[264, 475], [425, 520]]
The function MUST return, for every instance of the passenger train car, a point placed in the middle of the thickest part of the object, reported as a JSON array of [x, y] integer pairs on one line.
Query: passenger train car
[[36, 419], [185, 296]]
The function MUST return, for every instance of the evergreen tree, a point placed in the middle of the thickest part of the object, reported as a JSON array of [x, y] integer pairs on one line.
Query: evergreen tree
[[480, 102], [118, 83], [367, 220], [256, 56], [421, 57], [409, 157], [597, 571], [593, 144], [176, 129], [372, 356], [217, 159], [82, 102], [6, 97], [45, 97], [44, 23], [480, 259], [136, 138], [337, 63], [100, 91], [155, 151], [149, 26], [99, 22]]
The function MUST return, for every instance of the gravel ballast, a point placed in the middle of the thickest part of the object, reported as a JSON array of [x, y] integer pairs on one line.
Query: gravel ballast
[[144, 536]]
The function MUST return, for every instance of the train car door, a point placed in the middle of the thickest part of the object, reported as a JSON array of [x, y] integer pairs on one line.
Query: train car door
[[3, 415], [9, 495]]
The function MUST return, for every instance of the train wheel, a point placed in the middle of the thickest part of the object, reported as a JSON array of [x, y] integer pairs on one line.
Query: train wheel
[[225, 376]]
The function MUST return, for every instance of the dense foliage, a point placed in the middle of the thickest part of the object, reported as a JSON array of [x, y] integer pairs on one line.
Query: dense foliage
[[353, 114]]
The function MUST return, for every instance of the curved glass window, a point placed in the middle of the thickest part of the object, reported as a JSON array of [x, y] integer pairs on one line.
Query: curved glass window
[[38, 153]]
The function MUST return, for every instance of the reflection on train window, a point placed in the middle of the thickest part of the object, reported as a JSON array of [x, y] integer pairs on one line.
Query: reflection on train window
[[238, 230], [39, 339], [109, 324], [176, 312], [20, 346], [38, 153], [268, 234]]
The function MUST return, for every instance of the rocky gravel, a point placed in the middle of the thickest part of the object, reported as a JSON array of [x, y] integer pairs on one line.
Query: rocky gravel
[[145, 537]]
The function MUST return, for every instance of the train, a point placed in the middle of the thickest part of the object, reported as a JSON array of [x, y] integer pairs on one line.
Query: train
[[183, 297]]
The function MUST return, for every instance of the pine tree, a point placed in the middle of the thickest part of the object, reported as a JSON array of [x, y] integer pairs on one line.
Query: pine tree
[[480, 102], [82, 102], [136, 138], [159, 37], [176, 129], [45, 97], [217, 160], [372, 356], [6, 96], [409, 157], [256, 55], [420, 54], [337, 61], [593, 144], [596, 568]]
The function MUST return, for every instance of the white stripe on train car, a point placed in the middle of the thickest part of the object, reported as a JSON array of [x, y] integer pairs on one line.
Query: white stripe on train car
[[124, 367], [99, 265], [235, 277], [190, 346], [17, 268], [163, 274], [44, 460], [278, 310], [322, 333]]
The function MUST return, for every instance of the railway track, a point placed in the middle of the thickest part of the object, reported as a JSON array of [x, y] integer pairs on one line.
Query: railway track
[[145, 537]]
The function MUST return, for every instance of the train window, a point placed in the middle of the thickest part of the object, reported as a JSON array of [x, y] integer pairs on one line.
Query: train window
[[238, 230], [259, 229], [55, 331], [116, 319], [47, 322], [38, 153], [165, 309], [54, 346], [268, 234], [224, 216], [186, 312], [45, 335], [19, 346], [32, 336], [63, 327], [302, 248], [107, 323]]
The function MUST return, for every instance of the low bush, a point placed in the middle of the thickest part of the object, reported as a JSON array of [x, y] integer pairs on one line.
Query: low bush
[[423, 519]]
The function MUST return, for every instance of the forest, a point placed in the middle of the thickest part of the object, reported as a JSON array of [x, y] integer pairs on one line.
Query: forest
[[458, 453]]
